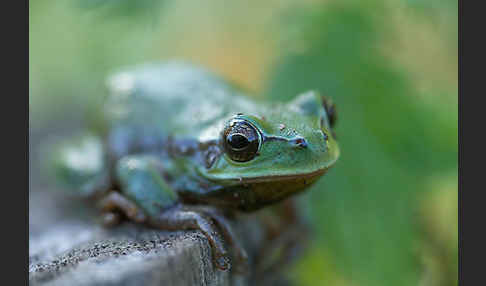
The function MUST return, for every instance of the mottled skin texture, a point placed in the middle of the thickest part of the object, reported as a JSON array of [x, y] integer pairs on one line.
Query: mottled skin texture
[[167, 159]]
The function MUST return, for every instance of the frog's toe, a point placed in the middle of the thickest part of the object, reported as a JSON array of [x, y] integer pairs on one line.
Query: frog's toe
[[115, 201], [110, 219], [223, 262]]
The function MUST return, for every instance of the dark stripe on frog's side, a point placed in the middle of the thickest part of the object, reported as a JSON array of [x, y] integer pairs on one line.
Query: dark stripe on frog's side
[[129, 141], [124, 142]]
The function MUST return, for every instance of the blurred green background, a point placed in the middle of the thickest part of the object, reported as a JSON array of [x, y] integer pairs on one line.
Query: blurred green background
[[387, 213]]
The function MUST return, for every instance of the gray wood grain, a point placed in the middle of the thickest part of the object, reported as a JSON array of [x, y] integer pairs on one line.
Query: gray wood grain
[[79, 254], [67, 246]]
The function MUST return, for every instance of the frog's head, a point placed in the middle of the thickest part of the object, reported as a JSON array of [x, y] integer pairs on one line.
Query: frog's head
[[277, 152]]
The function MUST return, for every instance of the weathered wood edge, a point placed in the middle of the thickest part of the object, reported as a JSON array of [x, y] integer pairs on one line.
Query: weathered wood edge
[[78, 254]]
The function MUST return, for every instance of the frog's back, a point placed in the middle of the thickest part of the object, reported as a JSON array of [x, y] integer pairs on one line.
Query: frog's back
[[172, 98]]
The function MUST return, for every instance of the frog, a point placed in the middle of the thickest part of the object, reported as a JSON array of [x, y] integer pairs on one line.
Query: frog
[[181, 146]]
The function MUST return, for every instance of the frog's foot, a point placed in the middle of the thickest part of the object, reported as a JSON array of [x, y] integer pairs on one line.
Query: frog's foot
[[240, 255], [114, 202], [179, 217]]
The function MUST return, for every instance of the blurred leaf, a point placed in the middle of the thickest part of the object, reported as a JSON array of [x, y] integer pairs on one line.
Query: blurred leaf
[[389, 140]]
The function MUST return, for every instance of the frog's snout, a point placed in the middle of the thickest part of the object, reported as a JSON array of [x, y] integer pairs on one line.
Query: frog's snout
[[319, 140]]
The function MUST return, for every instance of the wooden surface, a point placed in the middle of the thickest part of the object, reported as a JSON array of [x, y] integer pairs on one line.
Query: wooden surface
[[67, 246], [80, 254]]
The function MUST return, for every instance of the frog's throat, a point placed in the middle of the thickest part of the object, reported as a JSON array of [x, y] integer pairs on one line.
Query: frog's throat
[[260, 192], [255, 193]]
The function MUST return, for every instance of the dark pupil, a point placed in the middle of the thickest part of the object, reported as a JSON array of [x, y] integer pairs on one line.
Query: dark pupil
[[238, 141]]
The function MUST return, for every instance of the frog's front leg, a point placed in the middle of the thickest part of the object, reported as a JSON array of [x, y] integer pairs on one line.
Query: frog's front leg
[[240, 254], [180, 217], [141, 181]]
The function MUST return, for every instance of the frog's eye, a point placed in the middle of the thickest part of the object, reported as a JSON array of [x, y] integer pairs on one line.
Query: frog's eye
[[330, 110], [241, 140]]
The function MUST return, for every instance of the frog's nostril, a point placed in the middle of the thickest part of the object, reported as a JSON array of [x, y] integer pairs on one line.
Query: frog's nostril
[[300, 142]]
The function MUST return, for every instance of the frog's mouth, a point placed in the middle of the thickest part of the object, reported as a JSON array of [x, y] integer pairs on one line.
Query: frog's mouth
[[279, 178]]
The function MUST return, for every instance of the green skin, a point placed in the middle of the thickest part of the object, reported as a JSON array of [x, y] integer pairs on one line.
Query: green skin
[[162, 157]]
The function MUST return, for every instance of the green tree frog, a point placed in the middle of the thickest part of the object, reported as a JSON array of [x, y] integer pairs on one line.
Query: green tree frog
[[181, 143]]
